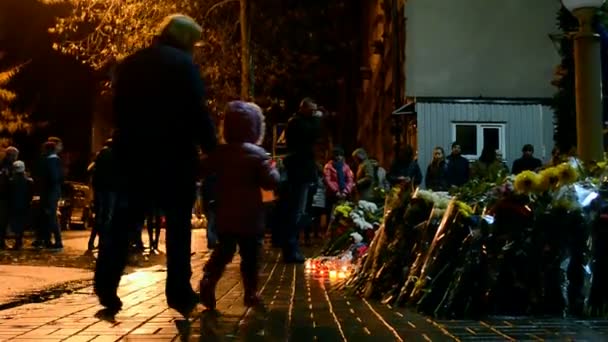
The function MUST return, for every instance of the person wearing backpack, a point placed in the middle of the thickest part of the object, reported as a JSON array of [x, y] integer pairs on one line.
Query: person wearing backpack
[[370, 176]]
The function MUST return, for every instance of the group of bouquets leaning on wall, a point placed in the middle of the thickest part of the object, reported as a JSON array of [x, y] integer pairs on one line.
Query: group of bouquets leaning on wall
[[529, 244]]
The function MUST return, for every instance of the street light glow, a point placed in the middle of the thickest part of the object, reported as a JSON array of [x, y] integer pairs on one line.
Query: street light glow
[[573, 5]]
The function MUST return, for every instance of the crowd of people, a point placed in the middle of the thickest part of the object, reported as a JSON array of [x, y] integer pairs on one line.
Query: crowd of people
[[17, 190], [367, 180]]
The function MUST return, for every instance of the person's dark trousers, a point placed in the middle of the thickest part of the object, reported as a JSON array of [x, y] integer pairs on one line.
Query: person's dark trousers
[[249, 250], [315, 228], [153, 226], [49, 212], [18, 221], [40, 229], [279, 215], [4, 221], [104, 203], [297, 202], [136, 242], [212, 238], [113, 253]]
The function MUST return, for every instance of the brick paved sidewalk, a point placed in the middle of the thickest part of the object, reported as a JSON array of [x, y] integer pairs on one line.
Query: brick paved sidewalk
[[300, 308]]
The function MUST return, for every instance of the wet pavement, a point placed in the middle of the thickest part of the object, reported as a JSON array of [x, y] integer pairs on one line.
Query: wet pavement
[[301, 307]]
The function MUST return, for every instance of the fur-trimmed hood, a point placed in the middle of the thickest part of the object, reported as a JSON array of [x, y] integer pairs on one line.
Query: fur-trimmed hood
[[243, 123]]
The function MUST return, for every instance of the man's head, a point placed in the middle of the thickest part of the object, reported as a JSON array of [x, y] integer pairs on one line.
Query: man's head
[[456, 149], [49, 148], [19, 166], [359, 155], [58, 144], [528, 150], [499, 155], [180, 31], [307, 107], [438, 154], [12, 153], [338, 154]]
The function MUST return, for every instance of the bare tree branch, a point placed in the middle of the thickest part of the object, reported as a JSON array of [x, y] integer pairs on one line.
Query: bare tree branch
[[219, 4]]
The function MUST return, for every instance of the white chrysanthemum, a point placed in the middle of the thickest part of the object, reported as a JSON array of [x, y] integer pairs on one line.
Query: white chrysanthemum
[[356, 237], [367, 206]]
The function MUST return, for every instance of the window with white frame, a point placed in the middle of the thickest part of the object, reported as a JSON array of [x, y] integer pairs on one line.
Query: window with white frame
[[473, 136]]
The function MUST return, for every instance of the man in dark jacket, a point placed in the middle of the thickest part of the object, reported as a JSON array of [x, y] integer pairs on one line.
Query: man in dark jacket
[[527, 162], [50, 178], [303, 131], [458, 170], [104, 193], [161, 123]]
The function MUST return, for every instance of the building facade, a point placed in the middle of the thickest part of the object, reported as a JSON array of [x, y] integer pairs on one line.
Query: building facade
[[479, 72]]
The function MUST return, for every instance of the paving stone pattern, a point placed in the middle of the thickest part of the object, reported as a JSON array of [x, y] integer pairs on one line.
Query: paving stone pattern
[[301, 307]]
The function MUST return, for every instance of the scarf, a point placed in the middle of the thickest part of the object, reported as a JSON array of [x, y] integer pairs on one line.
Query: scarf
[[339, 166]]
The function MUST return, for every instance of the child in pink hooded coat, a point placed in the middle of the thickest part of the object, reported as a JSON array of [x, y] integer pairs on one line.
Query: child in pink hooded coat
[[242, 168]]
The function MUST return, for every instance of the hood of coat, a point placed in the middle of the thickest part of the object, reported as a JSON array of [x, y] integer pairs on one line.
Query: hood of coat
[[243, 123]]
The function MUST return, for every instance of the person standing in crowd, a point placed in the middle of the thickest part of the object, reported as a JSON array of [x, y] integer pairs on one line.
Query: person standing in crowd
[[319, 208], [436, 173], [556, 157], [50, 178], [6, 172], [405, 168], [527, 162], [369, 176], [242, 168], [501, 159], [338, 177], [488, 167], [104, 193], [458, 172], [21, 194], [161, 121], [303, 131]]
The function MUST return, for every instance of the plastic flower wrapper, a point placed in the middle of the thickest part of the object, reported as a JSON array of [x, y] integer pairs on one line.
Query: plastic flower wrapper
[[574, 197], [432, 277], [526, 182]]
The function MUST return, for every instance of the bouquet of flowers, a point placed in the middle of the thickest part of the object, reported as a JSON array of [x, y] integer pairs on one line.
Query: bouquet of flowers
[[362, 218]]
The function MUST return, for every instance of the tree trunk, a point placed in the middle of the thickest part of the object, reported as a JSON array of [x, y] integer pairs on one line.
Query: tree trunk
[[246, 65]]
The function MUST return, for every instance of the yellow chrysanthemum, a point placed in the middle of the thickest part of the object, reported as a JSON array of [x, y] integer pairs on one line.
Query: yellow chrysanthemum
[[567, 174], [465, 209], [549, 179], [526, 182], [343, 209]]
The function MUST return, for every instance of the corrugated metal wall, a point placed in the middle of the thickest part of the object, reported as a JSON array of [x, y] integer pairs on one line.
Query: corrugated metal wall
[[524, 124]]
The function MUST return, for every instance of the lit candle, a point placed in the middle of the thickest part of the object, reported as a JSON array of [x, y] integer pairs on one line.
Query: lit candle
[[342, 275], [333, 274]]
